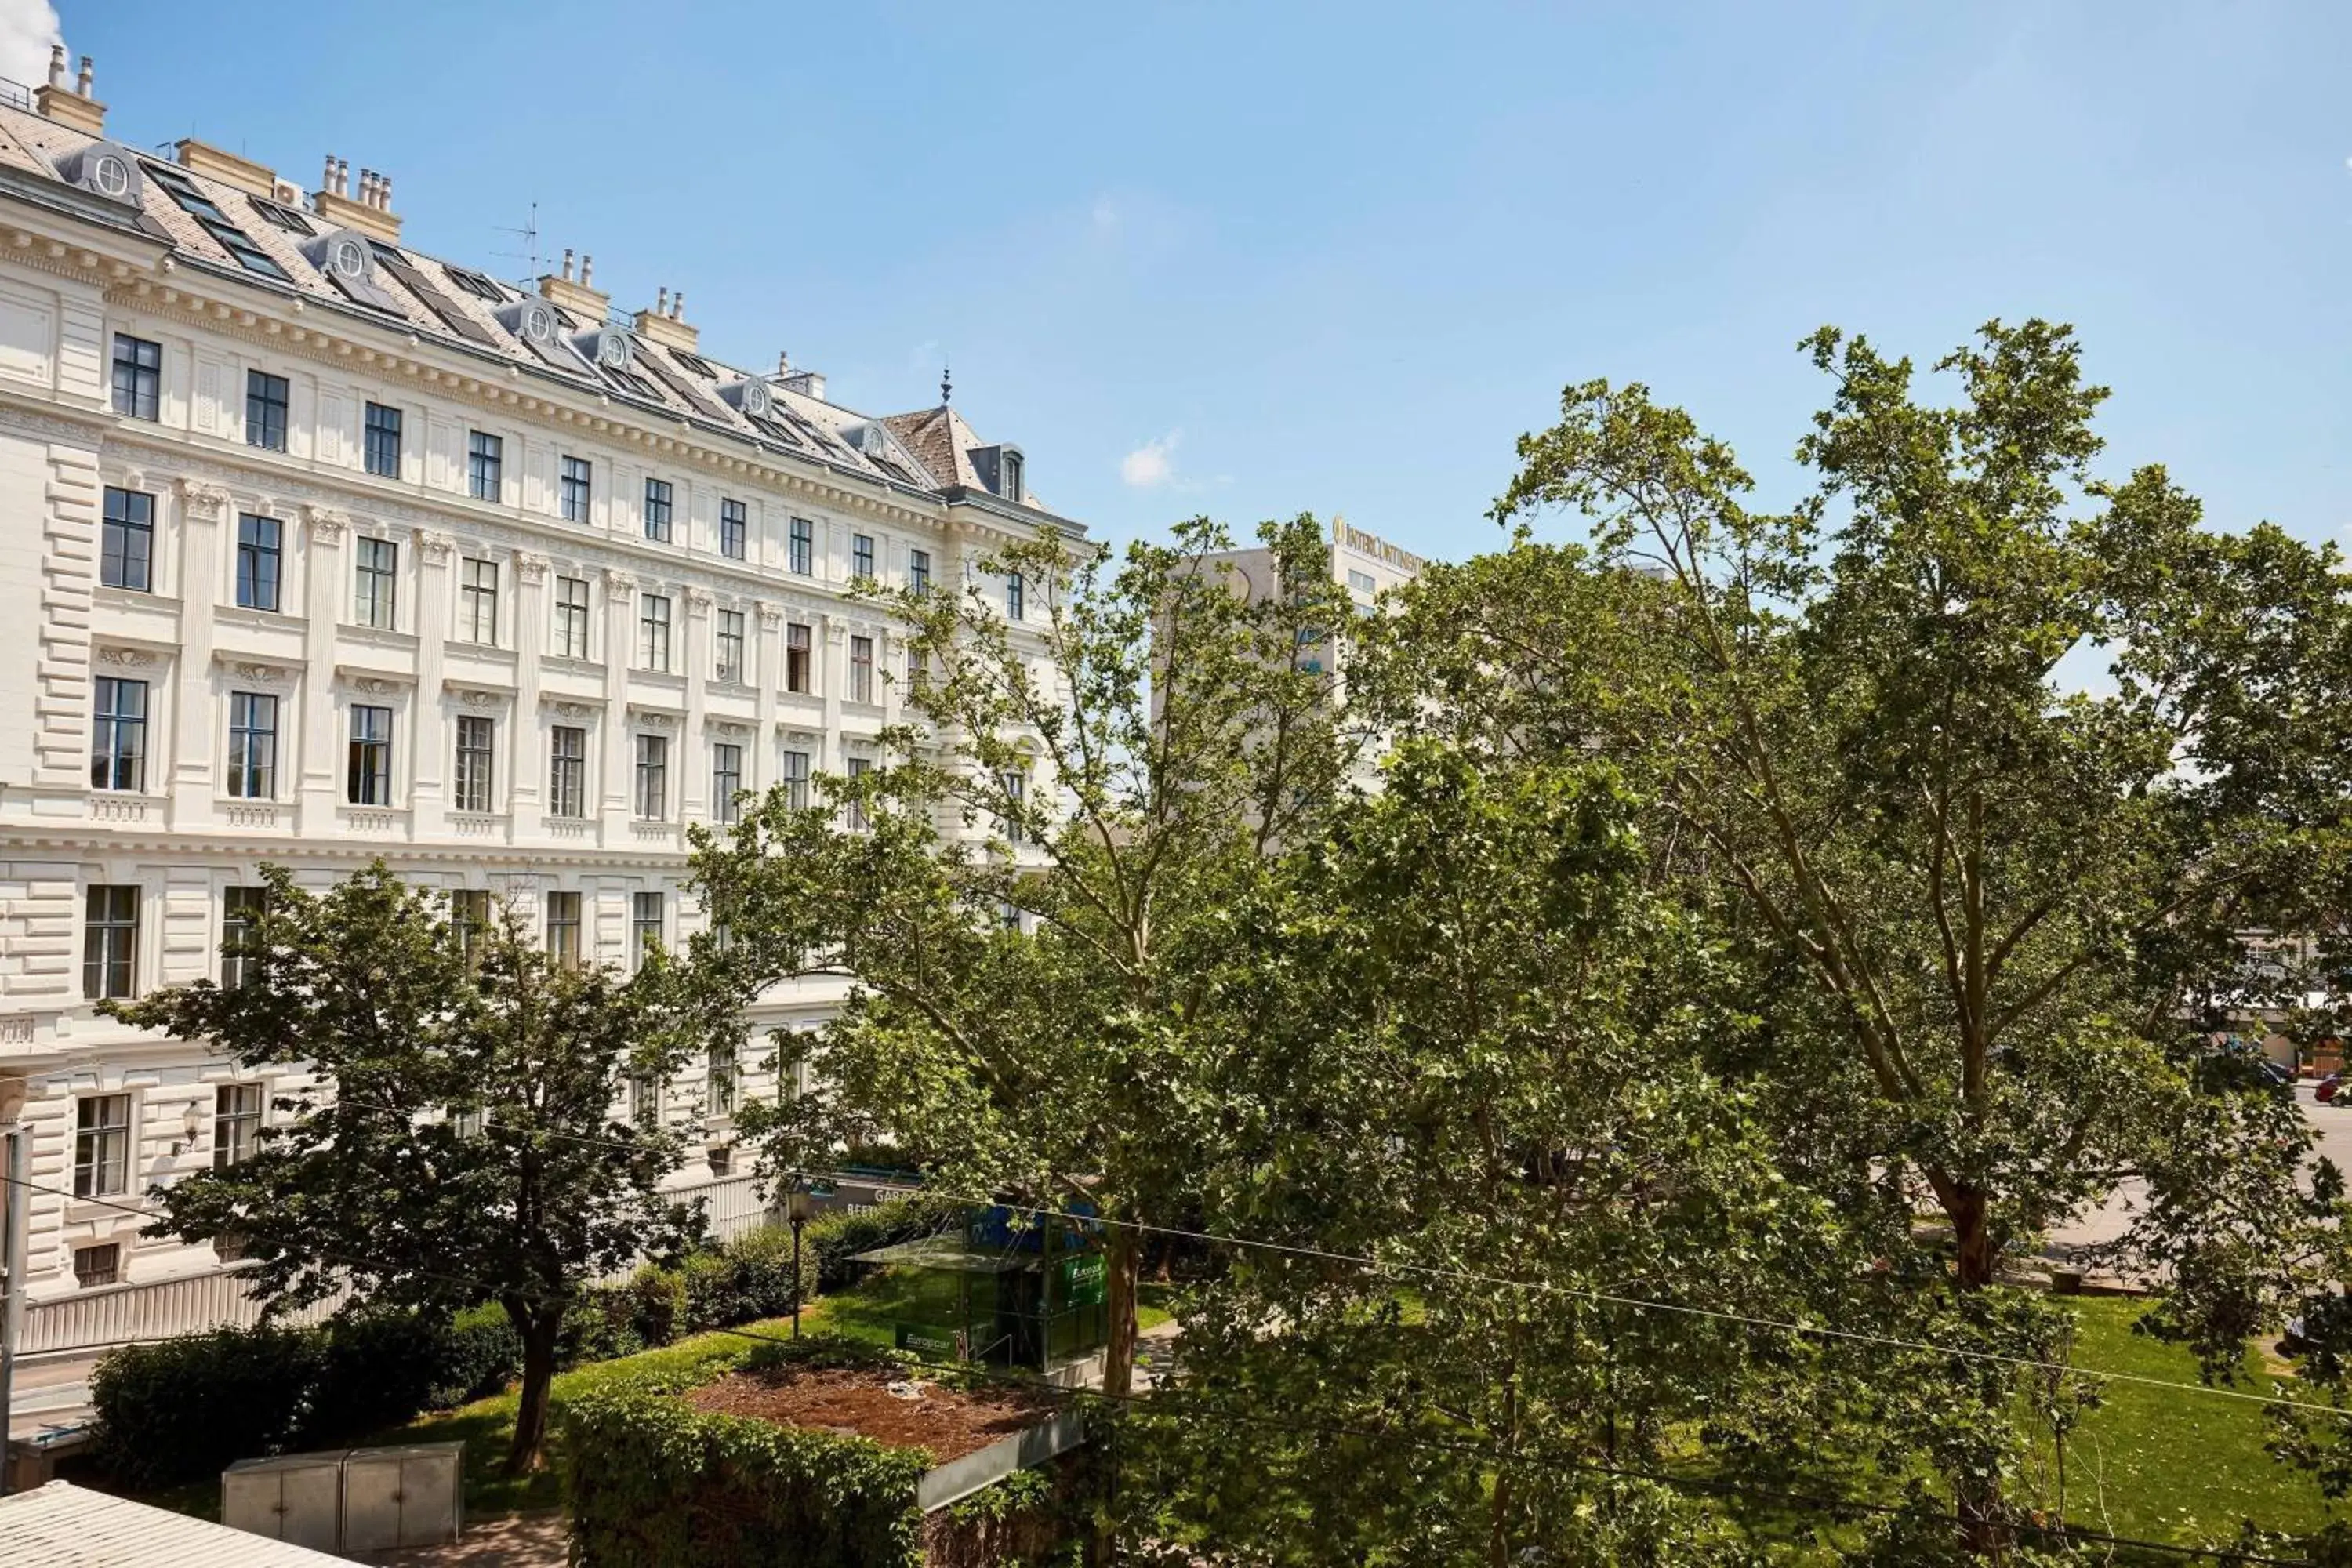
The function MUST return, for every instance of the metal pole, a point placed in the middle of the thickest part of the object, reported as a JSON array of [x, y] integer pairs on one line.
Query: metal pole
[[12, 1270], [797, 1222]]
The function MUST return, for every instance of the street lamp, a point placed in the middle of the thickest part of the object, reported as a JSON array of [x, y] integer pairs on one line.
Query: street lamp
[[801, 1206]]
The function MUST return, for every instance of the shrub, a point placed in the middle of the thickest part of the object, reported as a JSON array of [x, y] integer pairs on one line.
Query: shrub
[[842, 1234], [188, 1408], [749, 1278]]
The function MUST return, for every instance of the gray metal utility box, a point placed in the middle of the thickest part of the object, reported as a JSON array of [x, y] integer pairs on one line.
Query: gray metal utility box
[[351, 1499]]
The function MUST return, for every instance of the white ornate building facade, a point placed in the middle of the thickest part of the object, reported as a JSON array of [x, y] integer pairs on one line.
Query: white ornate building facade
[[318, 549]]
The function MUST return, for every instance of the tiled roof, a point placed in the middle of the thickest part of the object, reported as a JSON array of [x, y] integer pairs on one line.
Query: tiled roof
[[683, 387], [63, 1526], [942, 442]]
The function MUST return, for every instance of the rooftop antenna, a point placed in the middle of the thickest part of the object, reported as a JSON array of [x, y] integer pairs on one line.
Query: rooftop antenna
[[529, 235]]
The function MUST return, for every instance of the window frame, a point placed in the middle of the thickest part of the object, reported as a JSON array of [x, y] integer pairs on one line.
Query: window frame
[[477, 599], [1016, 597], [567, 776], [801, 554], [380, 435], [139, 394], [734, 529], [575, 481], [861, 557], [260, 562], [118, 535], [252, 776], [641, 927], [654, 632], [918, 571], [486, 465], [375, 582], [241, 908], [727, 645], [794, 775], [858, 678], [110, 937], [562, 913], [237, 1131], [268, 409], [373, 752], [726, 782], [474, 779], [650, 796], [117, 733], [800, 656], [660, 510], [570, 617]]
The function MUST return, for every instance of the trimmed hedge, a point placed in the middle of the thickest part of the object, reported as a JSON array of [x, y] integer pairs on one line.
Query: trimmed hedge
[[186, 1408], [742, 1281], [651, 1482]]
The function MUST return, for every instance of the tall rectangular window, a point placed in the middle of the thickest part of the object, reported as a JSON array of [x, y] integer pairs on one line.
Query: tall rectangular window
[[726, 782], [478, 601], [722, 1070], [375, 582], [803, 546], [796, 657], [1016, 796], [857, 768], [265, 410], [567, 772], [657, 511], [918, 571], [730, 644], [653, 632], [368, 781], [861, 669], [476, 758], [100, 1265], [253, 745], [117, 733], [1015, 596], [102, 1146], [138, 376], [1010, 466], [572, 490], [126, 547], [485, 464], [861, 557], [470, 911], [240, 917], [794, 777], [382, 443], [259, 554], [563, 929], [572, 616], [645, 925], [109, 942], [734, 530], [653, 777], [237, 1123]]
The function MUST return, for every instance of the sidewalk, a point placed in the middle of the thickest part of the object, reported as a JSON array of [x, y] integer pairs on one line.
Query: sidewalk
[[509, 1541]]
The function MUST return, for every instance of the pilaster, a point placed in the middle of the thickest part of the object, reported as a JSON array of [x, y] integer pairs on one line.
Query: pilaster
[[203, 510], [694, 746], [326, 579], [428, 746], [526, 747], [620, 646]]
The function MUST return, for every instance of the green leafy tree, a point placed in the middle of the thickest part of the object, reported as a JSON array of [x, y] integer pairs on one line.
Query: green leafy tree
[[1470, 1044], [1029, 895], [461, 1145], [1981, 909]]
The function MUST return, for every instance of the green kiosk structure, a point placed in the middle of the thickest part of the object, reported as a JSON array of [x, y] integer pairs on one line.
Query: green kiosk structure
[[1014, 1291]]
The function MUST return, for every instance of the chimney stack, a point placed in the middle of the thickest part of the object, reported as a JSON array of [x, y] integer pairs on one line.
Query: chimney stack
[[369, 209], [216, 163], [666, 324], [71, 106], [579, 296]]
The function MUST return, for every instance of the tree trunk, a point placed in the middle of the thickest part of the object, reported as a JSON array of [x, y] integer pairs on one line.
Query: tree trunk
[[539, 1328], [1124, 1268], [1125, 1272], [1984, 1528]]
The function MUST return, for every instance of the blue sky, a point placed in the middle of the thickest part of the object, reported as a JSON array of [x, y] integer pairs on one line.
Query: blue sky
[[1259, 259]]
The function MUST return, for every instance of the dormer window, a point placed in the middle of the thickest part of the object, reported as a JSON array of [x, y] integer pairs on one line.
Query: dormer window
[[1009, 470]]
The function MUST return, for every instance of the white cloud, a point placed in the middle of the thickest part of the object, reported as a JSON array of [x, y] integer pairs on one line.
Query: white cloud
[[27, 28], [1151, 465], [1105, 215]]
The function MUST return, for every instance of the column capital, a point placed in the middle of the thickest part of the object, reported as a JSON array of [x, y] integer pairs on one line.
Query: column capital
[[326, 524], [619, 586], [530, 566], [435, 546], [200, 500]]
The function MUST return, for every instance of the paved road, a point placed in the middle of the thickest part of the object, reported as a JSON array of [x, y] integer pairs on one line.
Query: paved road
[[2109, 1221]]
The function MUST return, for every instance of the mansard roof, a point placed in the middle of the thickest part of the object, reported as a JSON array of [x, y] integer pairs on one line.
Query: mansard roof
[[285, 244]]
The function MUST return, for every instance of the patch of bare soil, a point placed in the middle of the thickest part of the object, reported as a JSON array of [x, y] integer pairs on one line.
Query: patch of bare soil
[[948, 1422]]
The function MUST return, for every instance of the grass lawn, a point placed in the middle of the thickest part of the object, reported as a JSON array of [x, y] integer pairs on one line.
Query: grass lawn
[[2173, 1466]]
